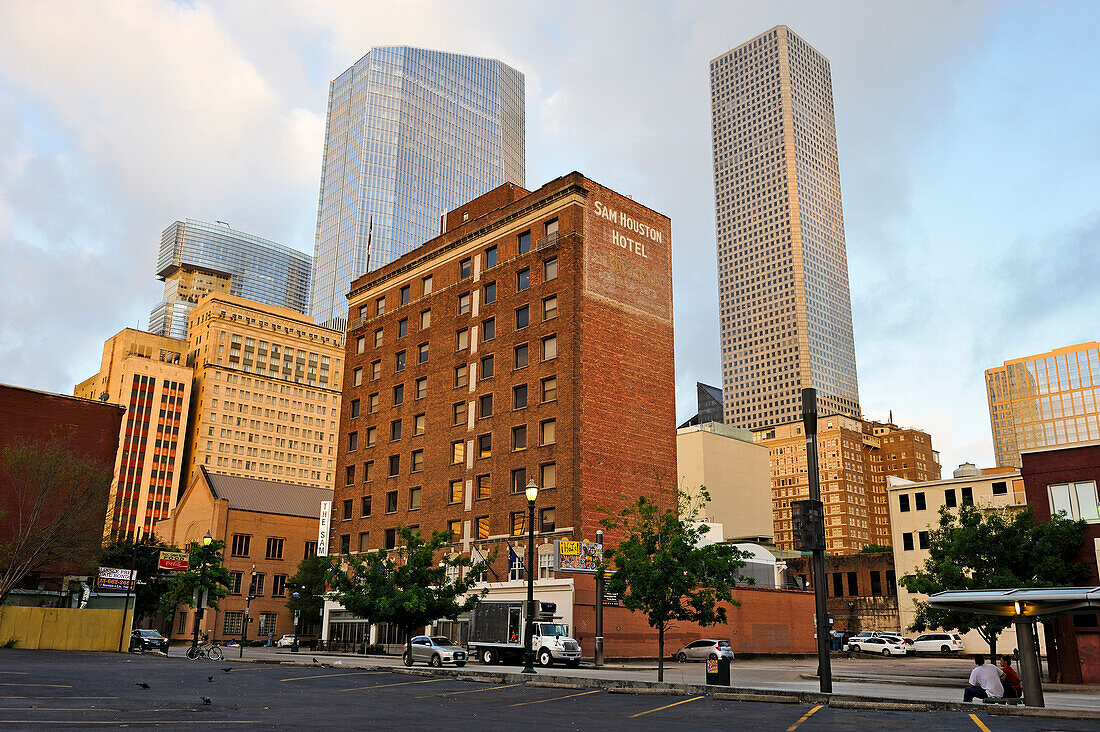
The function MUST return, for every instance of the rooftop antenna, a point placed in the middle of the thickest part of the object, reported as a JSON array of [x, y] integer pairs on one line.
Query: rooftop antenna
[[891, 416]]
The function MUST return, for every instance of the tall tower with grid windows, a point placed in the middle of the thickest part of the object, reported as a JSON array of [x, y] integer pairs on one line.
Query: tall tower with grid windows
[[411, 134], [784, 302]]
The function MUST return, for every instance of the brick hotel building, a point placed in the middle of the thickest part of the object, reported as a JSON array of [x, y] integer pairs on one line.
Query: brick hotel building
[[532, 339]]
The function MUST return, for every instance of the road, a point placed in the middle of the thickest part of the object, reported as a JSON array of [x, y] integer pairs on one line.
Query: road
[[93, 690]]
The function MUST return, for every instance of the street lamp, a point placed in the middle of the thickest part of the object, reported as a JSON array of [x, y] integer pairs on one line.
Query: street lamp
[[206, 541], [532, 492], [247, 607]]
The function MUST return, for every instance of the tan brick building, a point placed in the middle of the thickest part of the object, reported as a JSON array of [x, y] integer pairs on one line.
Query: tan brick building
[[266, 395], [268, 528], [144, 373], [532, 340], [854, 458]]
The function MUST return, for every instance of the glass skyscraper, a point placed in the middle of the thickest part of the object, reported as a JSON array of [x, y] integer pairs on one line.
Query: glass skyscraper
[[784, 302], [197, 258], [411, 134]]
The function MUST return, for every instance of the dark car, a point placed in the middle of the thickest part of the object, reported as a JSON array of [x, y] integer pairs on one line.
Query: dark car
[[148, 640]]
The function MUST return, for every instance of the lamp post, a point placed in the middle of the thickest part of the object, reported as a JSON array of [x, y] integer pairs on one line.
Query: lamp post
[[199, 593], [297, 609], [247, 607], [821, 617], [599, 603], [532, 492], [131, 588]]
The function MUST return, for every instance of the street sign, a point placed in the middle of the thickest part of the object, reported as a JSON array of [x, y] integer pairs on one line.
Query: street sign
[[323, 527], [172, 561], [577, 556], [116, 580]]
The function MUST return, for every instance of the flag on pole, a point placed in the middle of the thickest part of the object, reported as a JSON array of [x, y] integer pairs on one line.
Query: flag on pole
[[515, 565]]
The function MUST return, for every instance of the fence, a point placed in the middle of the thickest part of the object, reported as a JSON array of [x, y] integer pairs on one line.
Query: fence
[[64, 629]]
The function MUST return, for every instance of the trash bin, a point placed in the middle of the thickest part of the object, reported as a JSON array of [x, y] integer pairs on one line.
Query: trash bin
[[718, 671]]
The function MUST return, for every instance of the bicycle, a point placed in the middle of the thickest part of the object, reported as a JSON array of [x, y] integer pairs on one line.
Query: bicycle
[[208, 651]]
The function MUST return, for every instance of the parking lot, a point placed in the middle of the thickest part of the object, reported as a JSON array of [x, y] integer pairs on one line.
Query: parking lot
[[53, 689]]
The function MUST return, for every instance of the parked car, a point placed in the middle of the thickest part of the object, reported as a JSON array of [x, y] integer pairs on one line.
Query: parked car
[[433, 650], [285, 642], [938, 643], [703, 649], [886, 646], [148, 640]]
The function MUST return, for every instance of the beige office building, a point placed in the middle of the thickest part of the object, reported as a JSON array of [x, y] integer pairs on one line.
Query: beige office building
[[784, 301], [736, 474], [143, 372], [1047, 400], [266, 395], [915, 511]]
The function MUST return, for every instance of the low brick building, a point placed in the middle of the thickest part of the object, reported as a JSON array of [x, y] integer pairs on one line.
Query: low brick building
[[862, 590], [267, 527], [1064, 479]]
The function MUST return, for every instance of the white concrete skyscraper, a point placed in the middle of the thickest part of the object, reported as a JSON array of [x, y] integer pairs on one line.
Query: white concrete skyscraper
[[411, 134], [785, 307]]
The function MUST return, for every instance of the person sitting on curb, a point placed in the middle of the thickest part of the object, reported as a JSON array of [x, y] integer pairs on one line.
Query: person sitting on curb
[[984, 683], [1014, 689]]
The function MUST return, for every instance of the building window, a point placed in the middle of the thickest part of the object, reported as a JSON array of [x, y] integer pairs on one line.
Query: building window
[[523, 279], [458, 452], [461, 376], [523, 317], [417, 460], [458, 412], [549, 347], [395, 430], [399, 361], [853, 586], [550, 307], [550, 389], [907, 541], [491, 257], [364, 541], [398, 395], [391, 502], [518, 523], [422, 387], [523, 242], [357, 377], [520, 353], [920, 502], [395, 465], [464, 303], [378, 338], [422, 353], [483, 527], [465, 268], [426, 285], [484, 486], [487, 367], [353, 441], [968, 496], [414, 499], [551, 230], [1000, 488], [548, 476], [485, 406], [354, 408], [240, 545], [234, 621], [406, 294], [402, 327], [235, 583], [546, 520], [376, 370], [368, 471], [488, 329], [278, 585], [903, 503], [454, 528], [548, 432], [519, 480], [519, 437], [425, 319], [349, 477], [838, 584], [485, 446], [345, 543], [1076, 501], [457, 492], [490, 292], [949, 498], [364, 509], [420, 423], [380, 306], [257, 589], [391, 538], [876, 584], [550, 269], [360, 345], [372, 403], [372, 436], [310, 549]]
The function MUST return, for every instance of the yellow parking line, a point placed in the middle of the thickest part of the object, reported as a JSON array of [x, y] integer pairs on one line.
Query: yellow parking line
[[556, 698], [327, 676], [666, 706], [385, 686], [979, 722], [803, 718], [471, 691]]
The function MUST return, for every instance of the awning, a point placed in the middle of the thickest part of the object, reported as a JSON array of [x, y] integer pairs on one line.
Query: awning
[[1021, 601]]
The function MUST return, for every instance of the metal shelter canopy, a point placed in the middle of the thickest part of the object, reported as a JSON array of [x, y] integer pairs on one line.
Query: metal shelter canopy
[[1027, 601]]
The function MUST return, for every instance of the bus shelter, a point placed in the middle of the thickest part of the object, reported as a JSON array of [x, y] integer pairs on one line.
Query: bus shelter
[[1023, 605]]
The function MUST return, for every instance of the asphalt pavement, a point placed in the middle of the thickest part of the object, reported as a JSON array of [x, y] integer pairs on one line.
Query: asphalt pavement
[[94, 690]]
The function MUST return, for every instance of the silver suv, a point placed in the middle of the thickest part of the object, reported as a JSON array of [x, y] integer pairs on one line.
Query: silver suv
[[434, 651]]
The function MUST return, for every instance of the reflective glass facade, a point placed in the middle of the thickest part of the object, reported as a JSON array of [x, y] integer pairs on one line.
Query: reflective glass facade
[[197, 258], [1044, 400], [784, 302], [411, 134]]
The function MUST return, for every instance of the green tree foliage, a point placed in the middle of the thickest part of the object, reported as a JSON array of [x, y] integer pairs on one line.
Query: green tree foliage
[[876, 549], [153, 583], [408, 587], [311, 577], [212, 577], [55, 512], [975, 549], [661, 570]]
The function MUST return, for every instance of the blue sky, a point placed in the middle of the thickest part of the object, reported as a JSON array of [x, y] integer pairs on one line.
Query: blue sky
[[968, 135]]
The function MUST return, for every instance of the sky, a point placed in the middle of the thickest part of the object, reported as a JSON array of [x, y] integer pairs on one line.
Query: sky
[[968, 137]]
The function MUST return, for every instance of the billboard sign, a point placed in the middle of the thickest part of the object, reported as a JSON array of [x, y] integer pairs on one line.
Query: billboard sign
[[322, 529], [115, 580], [577, 556], [173, 561]]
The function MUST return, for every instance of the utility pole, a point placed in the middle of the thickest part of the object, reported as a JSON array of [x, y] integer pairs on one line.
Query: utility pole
[[815, 524], [599, 602], [247, 608], [129, 589]]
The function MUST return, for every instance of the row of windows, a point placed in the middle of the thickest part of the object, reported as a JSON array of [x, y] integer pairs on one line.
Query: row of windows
[[546, 522], [242, 544]]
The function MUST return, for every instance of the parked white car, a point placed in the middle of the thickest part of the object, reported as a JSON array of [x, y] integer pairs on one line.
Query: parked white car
[[285, 642], [883, 645], [938, 643]]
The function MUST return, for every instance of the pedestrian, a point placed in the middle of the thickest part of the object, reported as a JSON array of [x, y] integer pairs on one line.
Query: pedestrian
[[985, 681], [270, 638], [1014, 688]]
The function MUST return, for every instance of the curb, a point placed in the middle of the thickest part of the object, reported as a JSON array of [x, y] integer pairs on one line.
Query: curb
[[767, 698]]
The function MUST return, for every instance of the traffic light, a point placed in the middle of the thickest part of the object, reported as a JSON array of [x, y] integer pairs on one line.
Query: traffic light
[[808, 522]]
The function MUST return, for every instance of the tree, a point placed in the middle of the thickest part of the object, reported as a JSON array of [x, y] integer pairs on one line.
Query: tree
[[153, 582], [311, 577], [55, 512], [407, 587], [661, 570], [214, 578], [984, 550], [876, 549]]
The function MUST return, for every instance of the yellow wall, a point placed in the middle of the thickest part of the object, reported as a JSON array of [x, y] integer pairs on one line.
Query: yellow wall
[[63, 629]]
